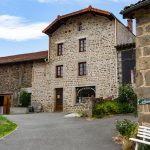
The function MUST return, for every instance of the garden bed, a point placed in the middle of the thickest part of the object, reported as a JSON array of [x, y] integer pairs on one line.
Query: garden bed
[[6, 126]]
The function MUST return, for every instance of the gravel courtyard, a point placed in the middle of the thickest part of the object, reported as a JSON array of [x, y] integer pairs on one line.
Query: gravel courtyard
[[51, 131]]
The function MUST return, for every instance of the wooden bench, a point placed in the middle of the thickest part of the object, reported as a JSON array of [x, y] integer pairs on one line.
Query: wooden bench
[[144, 135]]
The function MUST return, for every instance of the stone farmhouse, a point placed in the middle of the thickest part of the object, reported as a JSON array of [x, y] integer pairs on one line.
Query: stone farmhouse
[[82, 59], [16, 76], [90, 54]]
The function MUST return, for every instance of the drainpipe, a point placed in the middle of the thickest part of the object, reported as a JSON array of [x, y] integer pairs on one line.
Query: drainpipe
[[115, 32], [116, 55], [49, 44]]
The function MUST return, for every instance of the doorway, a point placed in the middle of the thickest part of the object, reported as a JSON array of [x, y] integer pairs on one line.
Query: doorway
[[5, 104], [59, 100]]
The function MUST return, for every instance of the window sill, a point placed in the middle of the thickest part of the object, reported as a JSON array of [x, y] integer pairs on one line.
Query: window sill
[[59, 77], [82, 51]]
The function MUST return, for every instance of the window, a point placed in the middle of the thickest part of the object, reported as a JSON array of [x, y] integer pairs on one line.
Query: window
[[82, 45], [60, 49], [82, 69], [59, 71], [79, 26], [83, 92]]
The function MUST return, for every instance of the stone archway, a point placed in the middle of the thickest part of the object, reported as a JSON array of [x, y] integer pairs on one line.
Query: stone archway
[[82, 92]]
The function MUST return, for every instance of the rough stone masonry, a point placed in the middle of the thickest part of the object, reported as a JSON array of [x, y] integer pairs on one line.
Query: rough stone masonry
[[100, 56], [143, 53]]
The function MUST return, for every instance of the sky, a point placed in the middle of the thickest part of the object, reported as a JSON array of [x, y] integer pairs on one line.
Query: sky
[[22, 21]]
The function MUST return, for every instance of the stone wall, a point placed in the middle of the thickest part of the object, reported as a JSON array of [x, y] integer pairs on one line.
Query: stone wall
[[143, 53], [124, 36], [13, 77], [40, 89], [100, 56]]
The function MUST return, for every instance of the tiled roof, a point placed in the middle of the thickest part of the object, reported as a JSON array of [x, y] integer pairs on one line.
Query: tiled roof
[[125, 46], [24, 57], [133, 7], [61, 19]]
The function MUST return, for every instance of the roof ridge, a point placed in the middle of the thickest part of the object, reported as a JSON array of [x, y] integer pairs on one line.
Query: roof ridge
[[24, 54], [24, 57]]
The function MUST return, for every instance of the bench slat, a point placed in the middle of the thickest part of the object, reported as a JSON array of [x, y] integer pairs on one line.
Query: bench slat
[[143, 130], [140, 141], [143, 127], [142, 136], [143, 133]]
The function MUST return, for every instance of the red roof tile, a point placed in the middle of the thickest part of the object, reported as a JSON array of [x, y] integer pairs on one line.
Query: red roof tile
[[24, 57], [60, 19]]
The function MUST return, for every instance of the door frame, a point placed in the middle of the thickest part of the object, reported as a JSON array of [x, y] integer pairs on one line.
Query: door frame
[[55, 109], [6, 103]]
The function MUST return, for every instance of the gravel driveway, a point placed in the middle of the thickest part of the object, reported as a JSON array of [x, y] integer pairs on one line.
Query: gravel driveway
[[51, 131]]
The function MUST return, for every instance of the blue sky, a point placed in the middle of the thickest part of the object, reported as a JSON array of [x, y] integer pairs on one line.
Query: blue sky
[[22, 21]]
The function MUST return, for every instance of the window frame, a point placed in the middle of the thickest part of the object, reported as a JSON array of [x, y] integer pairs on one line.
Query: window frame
[[79, 25], [59, 71], [82, 45], [60, 49], [82, 72]]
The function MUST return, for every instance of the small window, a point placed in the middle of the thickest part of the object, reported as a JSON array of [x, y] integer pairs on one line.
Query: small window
[[59, 71], [82, 45], [82, 69], [79, 26], [60, 48]]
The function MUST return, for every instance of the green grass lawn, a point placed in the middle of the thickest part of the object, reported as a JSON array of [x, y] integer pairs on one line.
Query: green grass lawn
[[6, 126]]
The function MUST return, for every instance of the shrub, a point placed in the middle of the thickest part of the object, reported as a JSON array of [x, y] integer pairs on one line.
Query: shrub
[[105, 108], [25, 99], [127, 94], [127, 128]]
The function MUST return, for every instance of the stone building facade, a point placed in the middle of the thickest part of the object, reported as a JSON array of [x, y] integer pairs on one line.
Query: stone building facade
[[13, 77], [126, 63], [141, 12], [16, 74], [102, 32]]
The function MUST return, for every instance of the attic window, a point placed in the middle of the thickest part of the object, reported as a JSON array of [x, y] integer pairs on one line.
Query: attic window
[[79, 26]]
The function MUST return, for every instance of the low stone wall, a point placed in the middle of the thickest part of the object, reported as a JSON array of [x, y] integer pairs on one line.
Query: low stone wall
[[144, 108], [18, 110], [86, 106], [144, 117]]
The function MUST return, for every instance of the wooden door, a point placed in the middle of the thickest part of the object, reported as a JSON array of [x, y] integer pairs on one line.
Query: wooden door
[[128, 65], [59, 100], [6, 108]]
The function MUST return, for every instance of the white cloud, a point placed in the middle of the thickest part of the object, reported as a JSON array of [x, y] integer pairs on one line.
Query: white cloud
[[19, 29]]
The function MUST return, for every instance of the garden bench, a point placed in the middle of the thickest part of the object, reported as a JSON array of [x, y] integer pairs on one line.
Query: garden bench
[[144, 135]]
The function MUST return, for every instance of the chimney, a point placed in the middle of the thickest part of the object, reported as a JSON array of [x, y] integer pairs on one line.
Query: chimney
[[130, 24]]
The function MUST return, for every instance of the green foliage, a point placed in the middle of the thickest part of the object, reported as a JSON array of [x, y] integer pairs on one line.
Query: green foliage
[[25, 99], [6, 126], [127, 94], [105, 108], [127, 128], [146, 147], [111, 107]]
